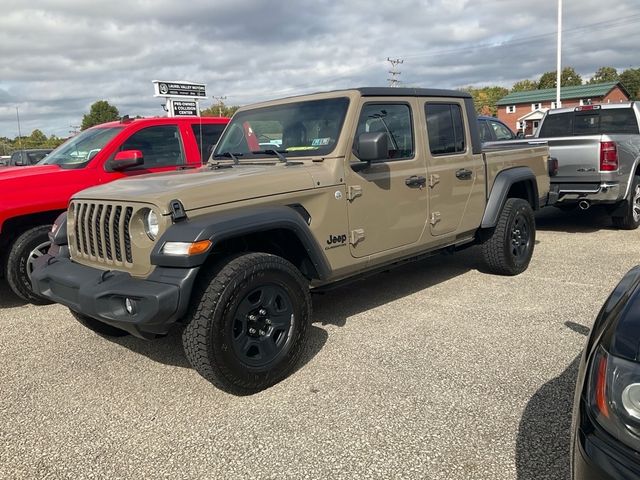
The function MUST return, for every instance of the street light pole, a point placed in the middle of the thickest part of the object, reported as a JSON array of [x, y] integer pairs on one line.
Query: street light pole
[[19, 132], [559, 63]]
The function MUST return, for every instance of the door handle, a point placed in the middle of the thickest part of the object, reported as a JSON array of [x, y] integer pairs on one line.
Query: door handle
[[415, 181], [464, 174]]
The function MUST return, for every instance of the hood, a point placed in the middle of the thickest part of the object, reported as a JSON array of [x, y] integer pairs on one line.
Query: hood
[[204, 187], [37, 172], [618, 323]]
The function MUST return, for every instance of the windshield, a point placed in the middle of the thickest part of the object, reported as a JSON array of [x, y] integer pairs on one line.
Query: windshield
[[79, 150], [293, 129]]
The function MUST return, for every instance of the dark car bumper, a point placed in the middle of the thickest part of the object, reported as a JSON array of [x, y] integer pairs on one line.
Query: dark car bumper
[[598, 456], [159, 300]]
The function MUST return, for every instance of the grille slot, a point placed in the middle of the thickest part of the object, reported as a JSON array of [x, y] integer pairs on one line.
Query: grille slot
[[102, 233]]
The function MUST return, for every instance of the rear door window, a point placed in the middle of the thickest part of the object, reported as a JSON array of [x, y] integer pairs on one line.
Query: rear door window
[[445, 128], [207, 135]]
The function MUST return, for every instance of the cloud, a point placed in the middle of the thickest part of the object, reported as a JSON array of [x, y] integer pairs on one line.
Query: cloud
[[61, 56]]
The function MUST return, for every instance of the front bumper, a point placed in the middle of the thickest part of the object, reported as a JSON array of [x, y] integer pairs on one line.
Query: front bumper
[[605, 192], [159, 300], [598, 456]]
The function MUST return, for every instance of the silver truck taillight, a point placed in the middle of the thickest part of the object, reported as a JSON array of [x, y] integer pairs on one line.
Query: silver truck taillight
[[608, 156]]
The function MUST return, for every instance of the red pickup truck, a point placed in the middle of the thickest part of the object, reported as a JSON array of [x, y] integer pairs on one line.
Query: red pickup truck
[[31, 198]]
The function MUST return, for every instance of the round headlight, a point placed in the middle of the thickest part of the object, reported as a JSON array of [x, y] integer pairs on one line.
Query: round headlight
[[631, 400], [151, 225]]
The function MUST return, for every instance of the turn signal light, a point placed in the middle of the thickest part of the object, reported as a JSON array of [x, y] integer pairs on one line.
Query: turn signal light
[[186, 248]]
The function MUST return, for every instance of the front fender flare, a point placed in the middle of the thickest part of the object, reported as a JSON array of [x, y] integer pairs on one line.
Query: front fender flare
[[218, 227]]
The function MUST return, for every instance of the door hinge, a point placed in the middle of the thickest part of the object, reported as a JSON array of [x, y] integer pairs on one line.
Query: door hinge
[[433, 179], [354, 191], [435, 218], [357, 236]]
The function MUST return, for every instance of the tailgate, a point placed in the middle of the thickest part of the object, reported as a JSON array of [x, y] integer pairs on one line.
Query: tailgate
[[578, 158]]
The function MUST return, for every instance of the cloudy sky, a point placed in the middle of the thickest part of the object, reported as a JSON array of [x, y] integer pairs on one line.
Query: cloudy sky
[[59, 56]]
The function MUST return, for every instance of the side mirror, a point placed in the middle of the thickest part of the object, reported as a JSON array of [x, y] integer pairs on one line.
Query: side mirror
[[372, 146], [126, 159], [520, 135]]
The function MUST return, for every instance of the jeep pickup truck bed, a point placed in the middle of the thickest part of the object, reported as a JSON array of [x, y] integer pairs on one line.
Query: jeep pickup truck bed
[[300, 193]]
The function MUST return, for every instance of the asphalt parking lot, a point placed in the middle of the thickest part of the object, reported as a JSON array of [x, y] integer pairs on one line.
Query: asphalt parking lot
[[434, 370]]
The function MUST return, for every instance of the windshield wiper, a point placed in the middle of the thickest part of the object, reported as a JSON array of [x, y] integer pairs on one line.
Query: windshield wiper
[[277, 153], [232, 156]]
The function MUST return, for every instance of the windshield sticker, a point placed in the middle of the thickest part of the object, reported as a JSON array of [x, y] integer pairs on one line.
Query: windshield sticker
[[296, 149], [317, 142]]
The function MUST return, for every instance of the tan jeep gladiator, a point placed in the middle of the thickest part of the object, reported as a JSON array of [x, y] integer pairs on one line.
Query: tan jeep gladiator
[[299, 194]]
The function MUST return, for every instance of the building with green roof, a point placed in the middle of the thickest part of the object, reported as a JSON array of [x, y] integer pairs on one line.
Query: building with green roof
[[524, 110]]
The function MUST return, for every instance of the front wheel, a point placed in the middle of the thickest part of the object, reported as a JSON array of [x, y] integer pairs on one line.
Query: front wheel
[[249, 322], [508, 249], [630, 220], [20, 262]]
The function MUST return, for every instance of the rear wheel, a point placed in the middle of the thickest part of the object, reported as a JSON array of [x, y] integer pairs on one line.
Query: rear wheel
[[20, 262], [630, 220], [97, 326], [249, 322], [508, 249]]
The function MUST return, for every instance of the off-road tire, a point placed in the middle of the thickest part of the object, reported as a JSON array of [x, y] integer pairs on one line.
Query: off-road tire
[[217, 325], [631, 218], [99, 327], [18, 263], [509, 247]]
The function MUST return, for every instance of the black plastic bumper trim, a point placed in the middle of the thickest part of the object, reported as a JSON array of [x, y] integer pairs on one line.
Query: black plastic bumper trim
[[160, 300]]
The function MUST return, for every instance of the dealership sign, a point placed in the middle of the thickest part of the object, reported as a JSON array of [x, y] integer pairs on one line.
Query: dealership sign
[[179, 89], [181, 107]]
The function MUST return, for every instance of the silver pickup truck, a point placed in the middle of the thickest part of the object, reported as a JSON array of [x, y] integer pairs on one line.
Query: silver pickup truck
[[598, 153]]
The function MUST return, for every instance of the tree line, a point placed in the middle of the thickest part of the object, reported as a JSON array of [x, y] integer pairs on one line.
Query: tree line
[[485, 98]]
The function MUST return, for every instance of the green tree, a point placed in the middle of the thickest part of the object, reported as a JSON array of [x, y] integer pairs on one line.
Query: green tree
[[603, 75], [37, 139], [219, 110], [485, 98], [568, 78], [630, 78], [524, 85], [100, 112]]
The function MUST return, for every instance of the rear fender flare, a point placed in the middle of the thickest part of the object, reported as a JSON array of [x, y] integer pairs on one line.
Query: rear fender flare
[[498, 196]]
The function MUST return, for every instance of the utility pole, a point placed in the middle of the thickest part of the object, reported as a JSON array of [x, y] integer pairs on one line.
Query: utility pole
[[220, 102], [393, 81], [558, 62]]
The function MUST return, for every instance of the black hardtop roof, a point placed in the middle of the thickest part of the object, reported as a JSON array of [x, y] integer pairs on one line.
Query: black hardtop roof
[[411, 92]]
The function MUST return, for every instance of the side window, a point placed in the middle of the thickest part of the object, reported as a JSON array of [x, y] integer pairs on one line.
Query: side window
[[161, 146], [502, 132], [445, 128], [207, 136], [485, 132], [392, 119]]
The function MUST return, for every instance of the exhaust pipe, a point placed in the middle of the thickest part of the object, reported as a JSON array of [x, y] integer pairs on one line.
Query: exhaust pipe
[[584, 205]]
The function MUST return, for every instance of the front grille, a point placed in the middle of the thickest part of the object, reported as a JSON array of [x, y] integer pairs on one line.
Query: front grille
[[102, 232]]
